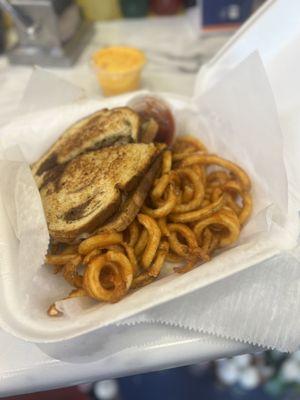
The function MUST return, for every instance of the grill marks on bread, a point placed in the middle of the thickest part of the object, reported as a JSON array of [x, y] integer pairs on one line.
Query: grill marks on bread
[[101, 129]]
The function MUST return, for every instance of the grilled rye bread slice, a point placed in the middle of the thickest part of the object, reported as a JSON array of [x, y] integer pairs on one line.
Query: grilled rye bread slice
[[133, 203], [101, 129], [82, 194]]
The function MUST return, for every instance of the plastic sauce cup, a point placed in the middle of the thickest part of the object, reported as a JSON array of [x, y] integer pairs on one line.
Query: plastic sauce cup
[[118, 69]]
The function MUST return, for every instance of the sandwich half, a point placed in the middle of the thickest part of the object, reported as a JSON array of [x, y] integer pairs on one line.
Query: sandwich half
[[101, 129], [98, 190]]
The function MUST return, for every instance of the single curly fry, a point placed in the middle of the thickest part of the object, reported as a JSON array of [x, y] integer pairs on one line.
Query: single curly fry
[[209, 240], [123, 264], [217, 178], [59, 259], [197, 215], [162, 223], [141, 243], [166, 162], [159, 260], [131, 257], [205, 203], [216, 194], [246, 210], [70, 272], [190, 141], [160, 186], [134, 232], [93, 285], [198, 190], [103, 239], [165, 208], [188, 194], [225, 218], [92, 254], [178, 248], [189, 265], [154, 236], [76, 293], [230, 202], [181, 155], [142, 280], [211, 159], [205, 239], [174, 258]]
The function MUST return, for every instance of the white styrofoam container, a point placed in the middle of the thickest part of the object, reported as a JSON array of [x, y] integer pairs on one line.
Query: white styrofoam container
[[40, 328]]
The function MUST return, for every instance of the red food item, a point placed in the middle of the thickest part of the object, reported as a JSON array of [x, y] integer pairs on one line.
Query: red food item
[[156, 108], [166, 7]]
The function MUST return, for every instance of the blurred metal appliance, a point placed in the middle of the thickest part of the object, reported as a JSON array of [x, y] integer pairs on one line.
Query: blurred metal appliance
[[50, 32], [2, 33]]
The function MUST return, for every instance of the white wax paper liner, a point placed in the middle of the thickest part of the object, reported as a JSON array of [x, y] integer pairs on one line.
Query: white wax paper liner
[[223, 112]]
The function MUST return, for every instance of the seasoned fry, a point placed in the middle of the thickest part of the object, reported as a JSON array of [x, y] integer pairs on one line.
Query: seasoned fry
[[198, 215], [76, 293], [230, 202], [190, 141], [59, 259], [198, 190], [189, 265], [157, 265], [211, 159], [162, 223], [188, 193], [244, 213], [142, 242], [160, 186], [166, 208], [188, 235], [131, 257], [206, 239], [181, 155], [133, 233], [154, 236], [217, 178], [174, 258], [209, 240], [70, 272], [124, 265], [89, 256], [166, 162], [92, 280], [216, 194], [101, 240], [224, 218], [247, 208], [142, 280]]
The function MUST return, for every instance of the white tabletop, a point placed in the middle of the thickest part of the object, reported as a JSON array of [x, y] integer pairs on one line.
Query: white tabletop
[[26, 367]]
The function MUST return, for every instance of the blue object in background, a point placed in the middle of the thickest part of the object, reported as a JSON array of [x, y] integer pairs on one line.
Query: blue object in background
[[182, 384], [225, 12]]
